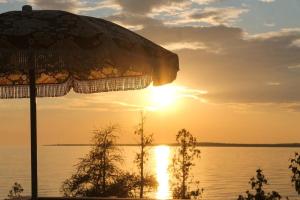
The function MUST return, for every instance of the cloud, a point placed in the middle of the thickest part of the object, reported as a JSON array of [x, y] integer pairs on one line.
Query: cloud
[[209, 15], [294, 107], [263, 107], [217, 16], [285, 32], [205, 1], [142, 7], [292, 67], [296, 43], [133, 21], [213, 37], [68, 5], [269, 24], [271, 83], [291, 107], [241, 70], [137, 6], [179, 12], [267, 1], [75, 6], [106, 102], [176, 46], [148, 6], [184, 45], [93, 102]]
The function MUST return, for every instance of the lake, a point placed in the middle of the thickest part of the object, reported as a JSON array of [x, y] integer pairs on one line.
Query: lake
[[223, 172]]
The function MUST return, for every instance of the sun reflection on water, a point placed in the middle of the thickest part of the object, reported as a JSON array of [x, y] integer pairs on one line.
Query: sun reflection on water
[[162, 154]]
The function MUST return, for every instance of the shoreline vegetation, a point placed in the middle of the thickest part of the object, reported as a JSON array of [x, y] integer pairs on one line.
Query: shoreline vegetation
[[200, 144]]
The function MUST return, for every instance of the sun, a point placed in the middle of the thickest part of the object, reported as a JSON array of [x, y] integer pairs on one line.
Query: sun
[[162, 96], [170, 97]]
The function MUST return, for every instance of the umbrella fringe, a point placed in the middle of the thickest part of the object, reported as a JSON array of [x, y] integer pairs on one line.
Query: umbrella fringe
[[79, 86]]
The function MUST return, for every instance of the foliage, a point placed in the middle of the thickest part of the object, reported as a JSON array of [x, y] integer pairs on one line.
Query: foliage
[[142, 157], [16, 191], [295, 168], [98, 174], [127, 184], [98, 171], [183, 161], [257, 184]]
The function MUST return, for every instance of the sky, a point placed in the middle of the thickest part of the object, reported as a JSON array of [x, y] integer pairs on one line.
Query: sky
[[238, 82]]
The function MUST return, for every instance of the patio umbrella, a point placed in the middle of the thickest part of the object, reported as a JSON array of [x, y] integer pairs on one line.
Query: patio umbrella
[[47, 53]]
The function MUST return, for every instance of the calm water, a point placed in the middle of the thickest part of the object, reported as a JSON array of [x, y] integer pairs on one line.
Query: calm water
[[223, 172]]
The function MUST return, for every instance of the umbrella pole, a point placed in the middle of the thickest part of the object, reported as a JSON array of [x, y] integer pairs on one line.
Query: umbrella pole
[[34, 185]]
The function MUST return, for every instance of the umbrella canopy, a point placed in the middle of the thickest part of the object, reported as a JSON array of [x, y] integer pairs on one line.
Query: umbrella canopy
[[47, 53], [80, 52]]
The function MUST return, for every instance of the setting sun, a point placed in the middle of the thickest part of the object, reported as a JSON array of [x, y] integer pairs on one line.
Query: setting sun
[[163, 96], [169, 96]]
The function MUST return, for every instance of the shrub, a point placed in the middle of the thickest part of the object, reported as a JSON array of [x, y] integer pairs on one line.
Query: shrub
[[295, 168], [257, 185], [15, 191]]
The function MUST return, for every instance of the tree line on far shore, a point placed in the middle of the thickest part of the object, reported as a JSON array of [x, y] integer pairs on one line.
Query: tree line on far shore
[[99, 173]]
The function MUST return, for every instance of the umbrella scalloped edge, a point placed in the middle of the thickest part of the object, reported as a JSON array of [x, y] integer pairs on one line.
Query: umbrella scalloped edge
[[79, 86]]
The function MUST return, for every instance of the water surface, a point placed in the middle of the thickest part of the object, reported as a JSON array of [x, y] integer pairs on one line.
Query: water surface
[[223, 172]]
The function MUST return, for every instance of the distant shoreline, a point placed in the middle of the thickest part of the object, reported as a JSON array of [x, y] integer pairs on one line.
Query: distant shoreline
[[201, 144]]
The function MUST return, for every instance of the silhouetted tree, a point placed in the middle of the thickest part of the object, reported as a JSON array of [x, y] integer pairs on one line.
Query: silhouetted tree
[[99, 167], [98, 174], [142, 156], [257, 185], [16, 191], [183, 161], [295, 168]]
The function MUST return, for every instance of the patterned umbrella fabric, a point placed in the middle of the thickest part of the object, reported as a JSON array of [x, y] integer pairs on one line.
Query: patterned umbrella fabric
[[80, 52]]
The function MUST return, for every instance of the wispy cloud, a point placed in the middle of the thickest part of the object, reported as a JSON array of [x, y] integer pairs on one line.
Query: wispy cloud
[[272, 83], [263, 107], [217, 16], [295, 107], [75, 6], [158, 6], [296, 43], [294, 67], [204, 2], [285, 32], [119, 101], [133, 21], [144, 7], [269, 24], [267, 1], [185, 45]]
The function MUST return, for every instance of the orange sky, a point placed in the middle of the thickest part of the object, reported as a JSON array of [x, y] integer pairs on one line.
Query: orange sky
[[208, 121]]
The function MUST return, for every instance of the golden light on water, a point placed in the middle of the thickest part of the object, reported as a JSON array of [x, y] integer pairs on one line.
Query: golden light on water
[[162, 154]]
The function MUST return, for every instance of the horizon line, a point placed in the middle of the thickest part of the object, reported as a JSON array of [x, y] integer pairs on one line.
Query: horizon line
[[202, 144]]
